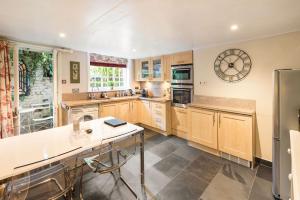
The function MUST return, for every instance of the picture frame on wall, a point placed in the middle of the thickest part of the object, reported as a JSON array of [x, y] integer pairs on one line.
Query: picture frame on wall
[[74, 72]]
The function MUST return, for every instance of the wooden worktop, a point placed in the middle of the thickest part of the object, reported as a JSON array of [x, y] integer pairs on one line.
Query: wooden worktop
[[74, 103], [233, 105]]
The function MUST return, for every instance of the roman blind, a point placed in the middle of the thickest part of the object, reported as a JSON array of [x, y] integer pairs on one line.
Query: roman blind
[[107, 61]]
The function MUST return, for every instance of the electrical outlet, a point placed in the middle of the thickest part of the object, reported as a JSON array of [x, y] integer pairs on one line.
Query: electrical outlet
[[75, 90]]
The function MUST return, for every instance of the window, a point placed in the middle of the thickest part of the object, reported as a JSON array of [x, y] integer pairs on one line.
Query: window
[[107, 78]]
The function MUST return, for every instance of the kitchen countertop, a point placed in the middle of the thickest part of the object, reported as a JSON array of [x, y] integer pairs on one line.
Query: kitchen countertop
[[224, 108], [295, 152], [111, 99]]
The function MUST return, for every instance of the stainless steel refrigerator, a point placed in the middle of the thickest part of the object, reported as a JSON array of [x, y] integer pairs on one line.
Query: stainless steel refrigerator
[[286, 104]]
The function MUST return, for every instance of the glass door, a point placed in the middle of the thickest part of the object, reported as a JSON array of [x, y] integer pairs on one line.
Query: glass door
[[157, 71], [33, 89], [145, 69]]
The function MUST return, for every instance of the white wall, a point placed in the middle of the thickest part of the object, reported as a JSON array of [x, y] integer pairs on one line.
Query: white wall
[[64, 59], [266, 54]]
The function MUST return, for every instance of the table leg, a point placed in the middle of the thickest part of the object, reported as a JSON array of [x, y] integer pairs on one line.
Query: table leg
[[142, 158]]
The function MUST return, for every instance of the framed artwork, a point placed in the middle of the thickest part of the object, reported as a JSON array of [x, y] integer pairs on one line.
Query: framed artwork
[[74, 72]]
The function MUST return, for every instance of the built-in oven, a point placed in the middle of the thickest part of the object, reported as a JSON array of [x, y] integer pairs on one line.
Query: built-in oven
[[182, 95], [182, 74]]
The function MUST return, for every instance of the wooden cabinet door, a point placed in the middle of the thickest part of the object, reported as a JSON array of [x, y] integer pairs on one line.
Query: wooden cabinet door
[[123, 110], [108, 110], [179, 120], [203, 127], [167, 67], [137, 70], [145, 113], [133, 114], [156, 69], [182, 58], [235, 135], [158, 114], [145, 65]]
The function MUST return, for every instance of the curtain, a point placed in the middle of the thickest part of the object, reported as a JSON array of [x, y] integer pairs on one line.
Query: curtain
[[6, 113], [107, 61]]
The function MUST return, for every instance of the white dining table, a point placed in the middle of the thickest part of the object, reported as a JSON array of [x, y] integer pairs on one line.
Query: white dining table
[[26, 152]]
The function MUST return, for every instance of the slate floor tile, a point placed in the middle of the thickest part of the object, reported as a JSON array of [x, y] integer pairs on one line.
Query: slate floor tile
[[164, 149], [185, 186], [222, 187], [264, 172], [188, 152], [171, 165], [204, 168], [133, 164], [177, 140], [261, 190], [105, 186], [239, 173]]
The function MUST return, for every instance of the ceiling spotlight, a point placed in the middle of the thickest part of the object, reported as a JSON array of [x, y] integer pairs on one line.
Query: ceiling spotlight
[[62, 35], [234, 27]]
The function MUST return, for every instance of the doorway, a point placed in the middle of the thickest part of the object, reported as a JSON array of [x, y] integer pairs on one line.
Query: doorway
[[33, 89]]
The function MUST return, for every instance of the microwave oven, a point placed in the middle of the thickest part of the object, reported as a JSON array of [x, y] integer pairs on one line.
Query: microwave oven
[[182, 74]]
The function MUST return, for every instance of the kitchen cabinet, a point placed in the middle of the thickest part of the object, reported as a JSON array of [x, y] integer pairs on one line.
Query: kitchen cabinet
[[167, 67], [145, 112], [124, 110], [203, 127], [133, 114], [149, 69], [235, 135], [158, 114], [145, 69], [106, 110], [179, 121], [155, 115], [182, 58], [157, 71]]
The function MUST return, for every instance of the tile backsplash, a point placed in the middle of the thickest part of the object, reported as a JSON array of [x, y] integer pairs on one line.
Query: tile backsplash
[[157, 89]]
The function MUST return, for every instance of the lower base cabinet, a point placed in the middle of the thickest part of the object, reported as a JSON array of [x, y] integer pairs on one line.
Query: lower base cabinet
[[235, 135], [203, 127], [179, 122], [126, 110], [225, 132]]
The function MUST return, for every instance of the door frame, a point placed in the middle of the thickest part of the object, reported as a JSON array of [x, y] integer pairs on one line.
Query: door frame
[[16, 46]]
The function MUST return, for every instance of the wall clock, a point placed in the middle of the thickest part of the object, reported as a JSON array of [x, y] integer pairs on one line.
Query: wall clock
[[232, 65]]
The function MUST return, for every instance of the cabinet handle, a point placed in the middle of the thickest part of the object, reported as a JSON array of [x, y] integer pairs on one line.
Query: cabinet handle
[[219, 120]]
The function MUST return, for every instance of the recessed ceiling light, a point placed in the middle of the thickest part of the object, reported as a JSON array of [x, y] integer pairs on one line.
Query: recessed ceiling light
[[62, 35], [234, 27], [133, 50]]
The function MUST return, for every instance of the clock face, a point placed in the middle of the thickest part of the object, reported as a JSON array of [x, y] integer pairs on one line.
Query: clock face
[[232, 65]]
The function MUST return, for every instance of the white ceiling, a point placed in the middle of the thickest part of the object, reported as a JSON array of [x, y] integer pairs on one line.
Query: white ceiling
[[152, 27]]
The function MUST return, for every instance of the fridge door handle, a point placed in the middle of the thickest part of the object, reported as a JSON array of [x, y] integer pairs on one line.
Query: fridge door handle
[[299, 120]]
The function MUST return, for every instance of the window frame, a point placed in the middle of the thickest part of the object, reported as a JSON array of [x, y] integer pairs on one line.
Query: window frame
[[108, 88]]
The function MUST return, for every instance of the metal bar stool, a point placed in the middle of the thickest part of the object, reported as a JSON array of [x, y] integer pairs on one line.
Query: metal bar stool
[[108, 159]]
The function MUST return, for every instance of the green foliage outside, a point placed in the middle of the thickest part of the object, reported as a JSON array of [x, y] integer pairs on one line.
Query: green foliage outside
[[33, 60]]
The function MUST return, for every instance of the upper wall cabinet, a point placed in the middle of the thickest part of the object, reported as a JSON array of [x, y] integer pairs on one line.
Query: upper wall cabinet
[[167, 67], [182, 58], [149, 69], [159, 68]]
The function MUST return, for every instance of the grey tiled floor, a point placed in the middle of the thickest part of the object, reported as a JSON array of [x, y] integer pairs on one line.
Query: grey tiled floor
[[175, 171]]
